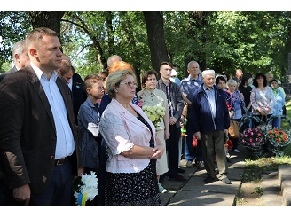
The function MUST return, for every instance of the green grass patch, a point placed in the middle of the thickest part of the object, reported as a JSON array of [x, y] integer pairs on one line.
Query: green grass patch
[[256, 168]]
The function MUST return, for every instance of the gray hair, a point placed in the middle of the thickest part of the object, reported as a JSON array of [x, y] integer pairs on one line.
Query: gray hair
[[208, 72], [18, 48], [191, 63], [231, 82]]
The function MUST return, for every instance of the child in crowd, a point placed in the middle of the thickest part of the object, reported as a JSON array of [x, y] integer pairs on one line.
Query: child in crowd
[[88, 125]]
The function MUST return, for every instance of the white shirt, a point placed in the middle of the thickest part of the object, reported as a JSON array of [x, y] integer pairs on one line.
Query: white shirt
[[65, 140]]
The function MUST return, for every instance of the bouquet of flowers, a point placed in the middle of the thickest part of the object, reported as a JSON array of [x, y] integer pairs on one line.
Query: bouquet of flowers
[[278, 138], [86, 188], [154, 113], [253, 138]]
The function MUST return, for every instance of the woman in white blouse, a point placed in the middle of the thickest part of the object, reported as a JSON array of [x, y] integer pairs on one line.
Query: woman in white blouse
[[262, 99], [131, 146]]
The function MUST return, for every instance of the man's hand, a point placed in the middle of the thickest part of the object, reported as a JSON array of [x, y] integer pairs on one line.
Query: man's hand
[[172, 121], [197, 135], [80, 171], [22, 194]]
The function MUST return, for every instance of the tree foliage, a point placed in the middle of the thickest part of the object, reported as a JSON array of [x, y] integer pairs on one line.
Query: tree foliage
[[256, 41], [13, 28]]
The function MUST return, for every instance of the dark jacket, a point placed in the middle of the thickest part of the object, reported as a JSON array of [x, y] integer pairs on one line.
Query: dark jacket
[[79, 94], [27, 129], [175, 98], [202, 114], [12, 70]]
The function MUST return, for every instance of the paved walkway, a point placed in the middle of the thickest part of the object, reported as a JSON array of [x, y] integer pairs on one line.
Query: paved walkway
[[276, 186]]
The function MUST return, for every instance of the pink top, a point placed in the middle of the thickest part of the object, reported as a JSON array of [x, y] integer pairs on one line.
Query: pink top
[[121, 130]]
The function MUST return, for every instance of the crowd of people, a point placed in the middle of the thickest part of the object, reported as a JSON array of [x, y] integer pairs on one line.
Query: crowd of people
[[64, 126]]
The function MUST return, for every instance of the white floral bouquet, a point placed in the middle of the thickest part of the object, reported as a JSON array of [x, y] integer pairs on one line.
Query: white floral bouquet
[[155, 113], [86, 188]]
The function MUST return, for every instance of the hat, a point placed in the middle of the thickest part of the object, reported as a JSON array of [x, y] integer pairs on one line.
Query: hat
[[274, 80], [173, 72]]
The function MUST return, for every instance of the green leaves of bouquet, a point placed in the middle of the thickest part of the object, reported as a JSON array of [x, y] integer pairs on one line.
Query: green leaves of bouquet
[[154, 113]]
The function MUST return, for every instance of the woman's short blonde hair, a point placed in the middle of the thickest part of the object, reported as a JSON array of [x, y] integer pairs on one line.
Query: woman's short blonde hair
[[113, 80]]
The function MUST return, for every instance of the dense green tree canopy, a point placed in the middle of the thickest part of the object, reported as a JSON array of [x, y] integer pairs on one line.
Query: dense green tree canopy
[[254, 41]]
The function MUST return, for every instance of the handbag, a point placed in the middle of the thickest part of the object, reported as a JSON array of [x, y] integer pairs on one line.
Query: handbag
[[234, 129]]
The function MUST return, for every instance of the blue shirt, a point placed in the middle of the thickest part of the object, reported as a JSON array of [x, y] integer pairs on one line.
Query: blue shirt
[[190, 85], [65, 139], [88, 113], [175, 80], [210, 92]]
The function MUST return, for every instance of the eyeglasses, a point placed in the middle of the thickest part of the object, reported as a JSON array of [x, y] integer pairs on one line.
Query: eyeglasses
[[129, 84]]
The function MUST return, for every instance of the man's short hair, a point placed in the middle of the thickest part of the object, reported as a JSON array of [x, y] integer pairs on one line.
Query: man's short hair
[[18, 48]]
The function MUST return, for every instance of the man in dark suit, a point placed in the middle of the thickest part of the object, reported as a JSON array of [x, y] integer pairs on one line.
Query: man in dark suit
[[37, 126], [20, 58], [79, 95]]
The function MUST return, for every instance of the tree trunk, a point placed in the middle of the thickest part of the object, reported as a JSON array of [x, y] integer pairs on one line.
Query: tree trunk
[[156, 40], [50, 19]]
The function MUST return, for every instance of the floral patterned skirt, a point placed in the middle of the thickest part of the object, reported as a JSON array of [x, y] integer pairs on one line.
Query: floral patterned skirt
[[132, 189]]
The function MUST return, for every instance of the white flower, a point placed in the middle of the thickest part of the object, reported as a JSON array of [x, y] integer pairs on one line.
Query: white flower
[[88, 186], [154, 113]]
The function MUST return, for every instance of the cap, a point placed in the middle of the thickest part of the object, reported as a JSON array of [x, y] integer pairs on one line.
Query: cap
[[173, 72], [274, 80]]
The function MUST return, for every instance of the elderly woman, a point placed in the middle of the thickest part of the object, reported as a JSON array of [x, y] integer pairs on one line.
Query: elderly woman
[[132, 150], [237, 103], [151, 96]]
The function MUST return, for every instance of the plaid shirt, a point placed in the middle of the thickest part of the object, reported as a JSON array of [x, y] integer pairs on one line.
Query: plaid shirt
[[174, 97]]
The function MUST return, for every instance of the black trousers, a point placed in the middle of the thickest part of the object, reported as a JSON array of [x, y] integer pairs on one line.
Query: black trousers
[[173, 150]]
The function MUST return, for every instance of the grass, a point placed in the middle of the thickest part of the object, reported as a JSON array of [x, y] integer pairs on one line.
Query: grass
[[255, 168]]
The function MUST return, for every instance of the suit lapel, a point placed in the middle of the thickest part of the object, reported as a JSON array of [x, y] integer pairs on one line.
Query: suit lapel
[[39, 90]]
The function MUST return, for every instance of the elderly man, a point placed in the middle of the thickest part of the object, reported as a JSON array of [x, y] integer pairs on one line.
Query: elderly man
[[238, 76], [20, 58], [112, 59], [210, 114], [188, 86], [269, 77]]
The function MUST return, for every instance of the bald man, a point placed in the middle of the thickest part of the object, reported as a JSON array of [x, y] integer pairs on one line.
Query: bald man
[[112, 59], [269, 77]]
